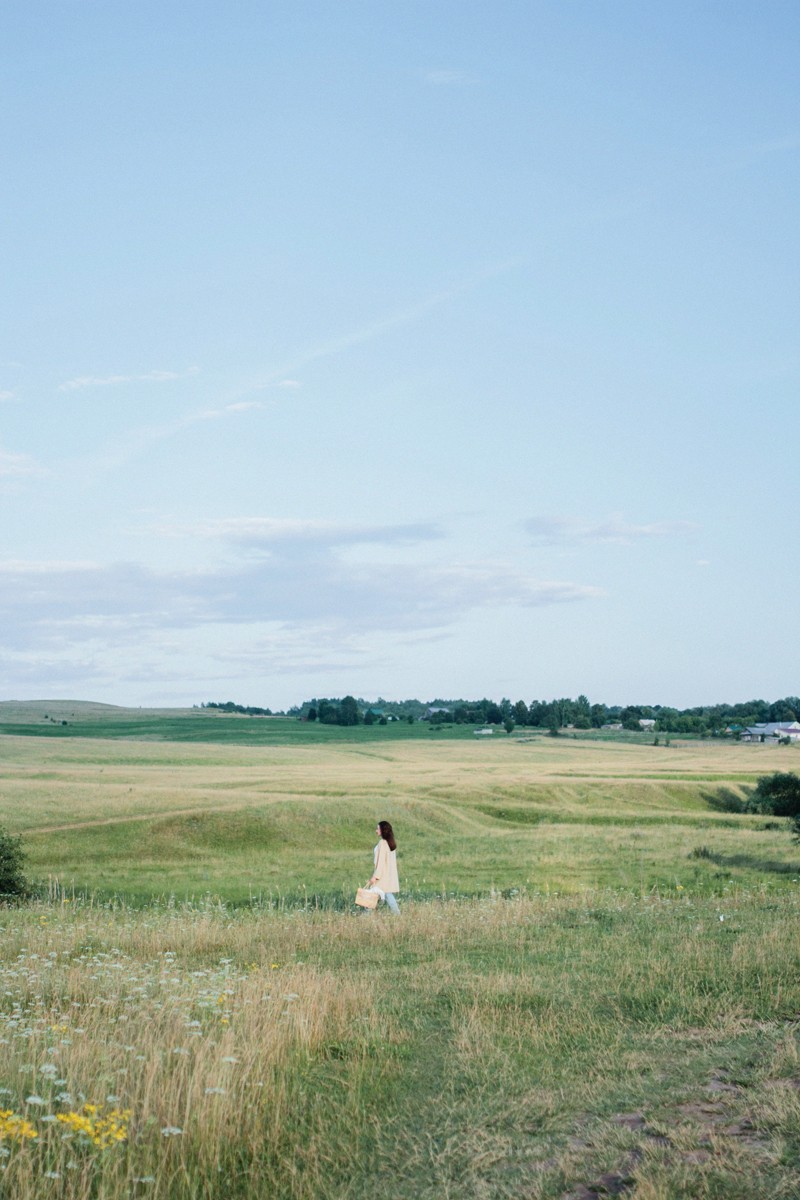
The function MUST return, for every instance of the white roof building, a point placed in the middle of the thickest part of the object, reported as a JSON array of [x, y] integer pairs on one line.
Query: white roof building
[[772, 731]]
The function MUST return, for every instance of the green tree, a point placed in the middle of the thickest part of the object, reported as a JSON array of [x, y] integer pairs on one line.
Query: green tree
[[348, 711], [13, 884], [508, 725], [777, 794], [328, 712]]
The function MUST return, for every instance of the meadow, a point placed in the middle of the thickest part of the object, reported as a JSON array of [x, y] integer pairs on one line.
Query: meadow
[[593, 989]]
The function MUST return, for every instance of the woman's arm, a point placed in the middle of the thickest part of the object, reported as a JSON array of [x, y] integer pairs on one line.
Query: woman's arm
[[381, 863]]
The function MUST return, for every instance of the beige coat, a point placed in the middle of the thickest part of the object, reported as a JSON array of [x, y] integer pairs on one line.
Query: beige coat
[[385, 868]]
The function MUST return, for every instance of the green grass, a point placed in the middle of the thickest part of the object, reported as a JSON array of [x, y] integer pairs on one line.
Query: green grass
[[491, 1049], [66, 719], [295, 823], [594, 983]]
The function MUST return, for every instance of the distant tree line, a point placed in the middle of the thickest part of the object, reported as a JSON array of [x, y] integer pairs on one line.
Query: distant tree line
[[228, 706], [713, 720], [704, 720]]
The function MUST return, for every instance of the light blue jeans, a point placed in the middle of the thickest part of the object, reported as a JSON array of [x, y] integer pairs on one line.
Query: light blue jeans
[[391, 903]]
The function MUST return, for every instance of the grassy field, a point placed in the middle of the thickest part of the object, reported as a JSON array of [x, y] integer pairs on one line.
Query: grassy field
[[538, 1048], [71, 719], [154, 819], [593, 989]]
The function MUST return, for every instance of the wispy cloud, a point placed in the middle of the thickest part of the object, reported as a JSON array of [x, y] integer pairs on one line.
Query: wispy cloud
[[136, 441], [5, 396], [58, 603], [255, 531], [18, 466], [286, 599], [214, 414], [100, 381], [284, 375], [554, 530]]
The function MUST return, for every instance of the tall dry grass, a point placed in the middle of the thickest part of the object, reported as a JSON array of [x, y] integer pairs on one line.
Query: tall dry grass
[[467, 1050]]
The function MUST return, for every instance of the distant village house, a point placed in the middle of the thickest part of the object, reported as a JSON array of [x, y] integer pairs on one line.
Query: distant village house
[[772, 732]]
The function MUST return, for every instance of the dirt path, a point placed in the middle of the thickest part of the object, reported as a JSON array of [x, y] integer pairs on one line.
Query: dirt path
[[148, 816]]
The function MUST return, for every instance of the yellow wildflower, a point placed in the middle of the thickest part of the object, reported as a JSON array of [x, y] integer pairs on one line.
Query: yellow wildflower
[[102, 1130], [15, 1128]]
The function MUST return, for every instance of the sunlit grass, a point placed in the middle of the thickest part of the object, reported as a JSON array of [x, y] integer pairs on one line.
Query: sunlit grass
[[295, 824]]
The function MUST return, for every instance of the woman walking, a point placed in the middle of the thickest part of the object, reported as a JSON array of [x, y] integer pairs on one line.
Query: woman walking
[[384, 879]]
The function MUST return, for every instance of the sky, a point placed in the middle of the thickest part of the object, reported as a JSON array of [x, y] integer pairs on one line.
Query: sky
[[429, 348]]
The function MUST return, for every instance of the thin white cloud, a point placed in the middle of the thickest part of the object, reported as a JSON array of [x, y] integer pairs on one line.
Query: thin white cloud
[[99, 381], [375, 329], [136, 441], [557, 529], [290, 384], [214, 414], [283, 530], [34, 567], [18, 466], [5, 396]]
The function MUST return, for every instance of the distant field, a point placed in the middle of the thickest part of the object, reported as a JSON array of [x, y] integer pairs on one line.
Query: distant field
[[72, 719], [79, 719], [284, 822]]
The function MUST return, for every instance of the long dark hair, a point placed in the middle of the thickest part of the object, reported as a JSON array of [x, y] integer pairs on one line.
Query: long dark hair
[[387, 833]]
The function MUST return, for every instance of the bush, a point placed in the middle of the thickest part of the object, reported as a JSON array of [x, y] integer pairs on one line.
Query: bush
[[777, 794], [13, 884]]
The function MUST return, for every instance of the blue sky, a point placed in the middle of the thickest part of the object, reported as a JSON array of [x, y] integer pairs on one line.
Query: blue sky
[[425, 348]]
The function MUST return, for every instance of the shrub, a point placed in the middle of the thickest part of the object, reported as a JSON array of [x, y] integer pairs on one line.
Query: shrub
[[777, 794], [13, 884]]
